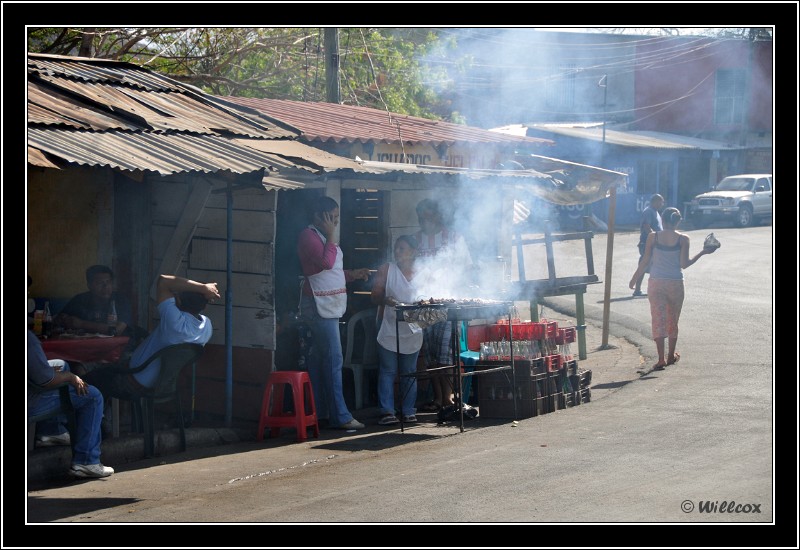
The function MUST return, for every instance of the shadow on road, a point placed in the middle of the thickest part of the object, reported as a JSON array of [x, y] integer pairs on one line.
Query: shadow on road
[[59, 508]]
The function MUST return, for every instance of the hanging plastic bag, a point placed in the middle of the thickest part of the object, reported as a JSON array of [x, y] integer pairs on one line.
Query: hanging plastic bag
[[711, 242]]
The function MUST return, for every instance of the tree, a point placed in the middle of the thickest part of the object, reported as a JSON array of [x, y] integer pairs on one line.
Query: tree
[[384, 68]]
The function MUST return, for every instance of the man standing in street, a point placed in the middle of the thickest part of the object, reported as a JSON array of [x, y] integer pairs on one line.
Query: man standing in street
[[650, 223]]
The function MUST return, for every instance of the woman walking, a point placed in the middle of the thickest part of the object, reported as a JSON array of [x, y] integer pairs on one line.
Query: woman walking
[[667, 254]]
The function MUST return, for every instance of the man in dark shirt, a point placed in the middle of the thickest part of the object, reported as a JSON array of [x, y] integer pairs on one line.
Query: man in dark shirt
[[89, 311], [650, 223]]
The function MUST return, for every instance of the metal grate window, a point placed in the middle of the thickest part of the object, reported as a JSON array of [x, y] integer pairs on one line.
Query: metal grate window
[[561, 87], [729, 96]]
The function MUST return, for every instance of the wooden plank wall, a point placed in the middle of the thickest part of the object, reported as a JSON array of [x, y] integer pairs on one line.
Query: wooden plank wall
[[253, 312]]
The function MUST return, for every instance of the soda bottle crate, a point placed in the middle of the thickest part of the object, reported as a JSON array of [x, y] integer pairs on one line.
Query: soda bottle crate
[[537, 390]]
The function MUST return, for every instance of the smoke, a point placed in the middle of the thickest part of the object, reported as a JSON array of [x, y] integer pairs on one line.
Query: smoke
[[475, 264]]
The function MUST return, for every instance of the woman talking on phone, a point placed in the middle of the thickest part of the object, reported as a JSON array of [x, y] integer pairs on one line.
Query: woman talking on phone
[[323, 301]]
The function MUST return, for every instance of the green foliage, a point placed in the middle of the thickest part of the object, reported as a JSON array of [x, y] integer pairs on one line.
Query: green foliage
[[397, 69]]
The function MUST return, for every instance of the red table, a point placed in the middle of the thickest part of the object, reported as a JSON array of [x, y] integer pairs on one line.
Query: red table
[[86, 350], [96, 349]]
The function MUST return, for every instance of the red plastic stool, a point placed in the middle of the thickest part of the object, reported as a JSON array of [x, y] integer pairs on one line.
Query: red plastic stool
[[303, 416]]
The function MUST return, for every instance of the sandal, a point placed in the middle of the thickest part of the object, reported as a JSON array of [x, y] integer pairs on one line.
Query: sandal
[[430, 406], [675, 359], [388, 420], [659, 366]]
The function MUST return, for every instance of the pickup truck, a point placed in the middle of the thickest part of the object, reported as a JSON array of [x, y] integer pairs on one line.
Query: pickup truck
[[742, 199]]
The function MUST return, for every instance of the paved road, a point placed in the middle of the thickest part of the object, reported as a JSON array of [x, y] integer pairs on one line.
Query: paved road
[[648, 449]]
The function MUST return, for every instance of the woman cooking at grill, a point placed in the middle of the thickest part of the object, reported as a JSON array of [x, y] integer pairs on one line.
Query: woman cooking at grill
[[394, 284], [323, 301], [448, 250]]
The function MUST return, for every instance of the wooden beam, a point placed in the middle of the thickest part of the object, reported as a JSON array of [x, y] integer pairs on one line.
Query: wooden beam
[[182, 235]]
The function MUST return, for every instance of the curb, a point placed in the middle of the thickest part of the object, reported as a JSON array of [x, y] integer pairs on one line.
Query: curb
[[54, 462]]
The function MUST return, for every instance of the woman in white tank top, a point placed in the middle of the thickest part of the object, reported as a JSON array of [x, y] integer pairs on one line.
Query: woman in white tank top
[[398, 343]]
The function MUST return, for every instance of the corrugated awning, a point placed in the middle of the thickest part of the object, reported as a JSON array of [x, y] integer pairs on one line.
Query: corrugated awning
[[303, 155], [556, 181], [148, 151]]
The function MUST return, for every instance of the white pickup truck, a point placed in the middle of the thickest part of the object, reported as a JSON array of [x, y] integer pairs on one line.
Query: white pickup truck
[[740, 199]]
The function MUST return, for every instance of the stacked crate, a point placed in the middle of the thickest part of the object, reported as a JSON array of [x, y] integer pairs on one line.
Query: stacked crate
[[541, 385]]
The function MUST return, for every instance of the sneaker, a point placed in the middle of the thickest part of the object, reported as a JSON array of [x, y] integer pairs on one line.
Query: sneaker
[[387, 420], [352, 425], [90, 470], [410, 418], [638, 293], [52, 440]]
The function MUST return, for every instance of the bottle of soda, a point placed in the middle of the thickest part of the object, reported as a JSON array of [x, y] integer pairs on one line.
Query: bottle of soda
[[38, 320], [47, 321], [112, 319]]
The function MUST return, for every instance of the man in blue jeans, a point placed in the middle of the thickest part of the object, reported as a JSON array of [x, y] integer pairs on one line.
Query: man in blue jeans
[[87, 401]]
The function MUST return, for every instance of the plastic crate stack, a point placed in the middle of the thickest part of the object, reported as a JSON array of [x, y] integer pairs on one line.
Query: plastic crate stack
[[547, 377]]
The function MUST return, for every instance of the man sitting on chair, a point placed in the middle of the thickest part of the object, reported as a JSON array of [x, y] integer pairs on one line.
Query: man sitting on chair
[[180, 303]]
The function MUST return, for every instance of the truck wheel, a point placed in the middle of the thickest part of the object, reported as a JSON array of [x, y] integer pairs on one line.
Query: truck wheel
[[745, 216]]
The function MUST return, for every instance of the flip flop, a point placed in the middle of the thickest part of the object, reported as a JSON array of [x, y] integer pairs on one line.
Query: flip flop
[[659, 366], [675, 359]]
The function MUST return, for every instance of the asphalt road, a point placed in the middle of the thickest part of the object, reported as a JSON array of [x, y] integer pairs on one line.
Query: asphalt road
[[662, 448]]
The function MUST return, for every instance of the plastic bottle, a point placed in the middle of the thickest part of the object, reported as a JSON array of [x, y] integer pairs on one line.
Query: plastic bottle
[[112, 319], [47, 321], [38, 317]]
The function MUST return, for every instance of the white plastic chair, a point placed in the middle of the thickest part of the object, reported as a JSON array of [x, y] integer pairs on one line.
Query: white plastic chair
[[363, 321]]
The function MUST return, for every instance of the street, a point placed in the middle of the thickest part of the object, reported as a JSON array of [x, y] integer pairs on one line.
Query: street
[[691, 444]]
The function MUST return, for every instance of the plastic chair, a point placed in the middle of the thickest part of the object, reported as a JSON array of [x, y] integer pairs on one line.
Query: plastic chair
[[66, 409], [361, 329], [303, 413], [173, 359]]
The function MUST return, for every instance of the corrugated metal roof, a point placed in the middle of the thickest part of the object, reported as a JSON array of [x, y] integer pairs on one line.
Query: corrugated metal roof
[[158, 109], [305, 156], [151, 151], [646, 139], [347, 123], [96, 112], [558, 182]]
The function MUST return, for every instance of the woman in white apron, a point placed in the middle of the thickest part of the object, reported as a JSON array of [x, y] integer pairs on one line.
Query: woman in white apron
[[323, 301], [394, 284]]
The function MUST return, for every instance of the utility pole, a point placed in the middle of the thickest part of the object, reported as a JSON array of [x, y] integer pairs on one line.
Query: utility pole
[[332, 65], [604, 84]]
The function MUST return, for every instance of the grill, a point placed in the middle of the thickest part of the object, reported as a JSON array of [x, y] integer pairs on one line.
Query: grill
[[466, 310]]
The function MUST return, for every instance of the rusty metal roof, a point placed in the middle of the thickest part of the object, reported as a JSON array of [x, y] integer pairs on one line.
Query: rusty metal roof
[[151, 151], [323, 122], [95, 112]]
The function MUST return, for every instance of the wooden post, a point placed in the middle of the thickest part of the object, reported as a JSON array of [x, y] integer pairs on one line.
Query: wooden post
[[612, 207]]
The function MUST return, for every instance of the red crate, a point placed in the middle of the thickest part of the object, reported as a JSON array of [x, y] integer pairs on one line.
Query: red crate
[[497, 332], [475, 335], [553, 362]]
